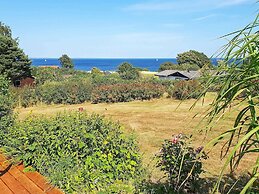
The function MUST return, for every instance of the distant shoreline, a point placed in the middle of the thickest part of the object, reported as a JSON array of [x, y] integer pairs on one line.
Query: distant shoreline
[[110, 64]]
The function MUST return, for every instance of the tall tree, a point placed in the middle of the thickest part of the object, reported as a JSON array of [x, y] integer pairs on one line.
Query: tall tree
[[66, 61], [127, 71], [193, 57], [14, 64]]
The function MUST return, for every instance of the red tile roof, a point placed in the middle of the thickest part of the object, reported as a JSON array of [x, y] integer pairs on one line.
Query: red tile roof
[[14, 180]]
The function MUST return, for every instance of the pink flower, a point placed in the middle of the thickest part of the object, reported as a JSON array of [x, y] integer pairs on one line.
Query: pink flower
[[81, 109], [175, 140]]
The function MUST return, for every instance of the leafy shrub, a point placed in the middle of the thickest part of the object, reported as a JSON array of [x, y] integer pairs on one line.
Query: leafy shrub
[[6, 117], [110, 79], [185, 89], [24, 97], [126, 92], [5, 97], [166, 83], [46, 74], [63, 92], [128, 72], [78, 152], [181, 163], [66, 92]]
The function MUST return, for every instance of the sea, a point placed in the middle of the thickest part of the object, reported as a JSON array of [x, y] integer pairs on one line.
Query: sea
[[152, 64]]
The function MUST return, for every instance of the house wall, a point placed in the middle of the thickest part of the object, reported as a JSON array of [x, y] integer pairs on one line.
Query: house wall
[[28, 81]]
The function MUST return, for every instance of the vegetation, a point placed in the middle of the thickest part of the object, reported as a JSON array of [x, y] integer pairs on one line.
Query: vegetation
[[240, 82], [194, 58], [96, 71], [185, 90], [182, 164], [46, 74], [126, 92], [14, 64], [77, 152], [62, 92], [5, 98], [182, 67], [128, 72], [5, 106], [66, 62], [153, 122]]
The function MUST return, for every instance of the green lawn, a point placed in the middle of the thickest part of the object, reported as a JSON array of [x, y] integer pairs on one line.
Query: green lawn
[[152, 122]]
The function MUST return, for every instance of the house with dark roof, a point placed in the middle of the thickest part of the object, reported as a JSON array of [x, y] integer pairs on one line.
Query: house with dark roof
[[178, 75]]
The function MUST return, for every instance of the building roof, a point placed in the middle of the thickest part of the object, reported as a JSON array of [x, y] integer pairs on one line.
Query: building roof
[[13, 180], [187, 74]]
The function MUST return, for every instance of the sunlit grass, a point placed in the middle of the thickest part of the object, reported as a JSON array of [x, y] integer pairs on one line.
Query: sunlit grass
[[152, 122]]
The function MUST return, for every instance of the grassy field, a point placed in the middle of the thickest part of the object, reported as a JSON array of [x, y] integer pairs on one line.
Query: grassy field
[[152, 122]]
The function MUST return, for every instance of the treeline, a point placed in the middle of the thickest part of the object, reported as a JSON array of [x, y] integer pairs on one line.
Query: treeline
[[67, 86], [191, 61]]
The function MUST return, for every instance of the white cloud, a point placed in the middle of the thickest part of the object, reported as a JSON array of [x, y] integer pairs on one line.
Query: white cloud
[[152, 6], [232, 2], [205, 17], [184, 5]]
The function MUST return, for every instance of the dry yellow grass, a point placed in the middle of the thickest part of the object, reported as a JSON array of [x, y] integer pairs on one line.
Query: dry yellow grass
[[152, 122]]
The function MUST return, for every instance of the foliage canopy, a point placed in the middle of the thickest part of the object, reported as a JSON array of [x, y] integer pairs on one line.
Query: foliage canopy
[[193, 57], [127, 71], [78, 152], [182, 67], [14, 64], [66, 61]]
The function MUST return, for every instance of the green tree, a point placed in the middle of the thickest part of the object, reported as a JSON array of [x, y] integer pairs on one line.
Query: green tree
[[14, 64], [193, 57], [127, 71], [66, 61], [182, 67]]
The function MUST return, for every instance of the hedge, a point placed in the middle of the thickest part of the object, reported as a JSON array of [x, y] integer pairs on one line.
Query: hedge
[[126, 92], [77, 152]]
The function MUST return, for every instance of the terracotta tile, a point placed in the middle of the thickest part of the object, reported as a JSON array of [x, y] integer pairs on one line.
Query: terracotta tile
[[14, 185], [16, 181], [4, 189], [25, 181]]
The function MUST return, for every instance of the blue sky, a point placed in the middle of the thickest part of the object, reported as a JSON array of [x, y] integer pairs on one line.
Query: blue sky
[[123, 28]]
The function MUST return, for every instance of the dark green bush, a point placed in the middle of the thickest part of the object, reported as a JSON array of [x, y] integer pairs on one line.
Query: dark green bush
[[63, 92], [78, 152], [66, 92], [48, 74], [24, 97], [6, 117], [128, 72], [110, 79], [185, 89], [126, 92], [5, 97], [182, 164]]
